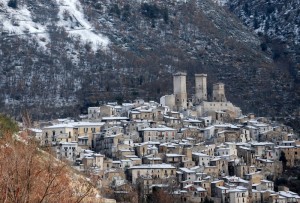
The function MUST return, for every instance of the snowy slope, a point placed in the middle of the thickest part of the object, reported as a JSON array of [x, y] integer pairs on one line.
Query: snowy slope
[[72, 18], [146, 44], [19, 22]]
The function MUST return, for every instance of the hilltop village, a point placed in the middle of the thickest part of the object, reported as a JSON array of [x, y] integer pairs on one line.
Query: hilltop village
[[192, 150]]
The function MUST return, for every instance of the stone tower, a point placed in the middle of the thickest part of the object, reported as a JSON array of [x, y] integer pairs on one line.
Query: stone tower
[[219, 93], [179, 83], [200, 88]]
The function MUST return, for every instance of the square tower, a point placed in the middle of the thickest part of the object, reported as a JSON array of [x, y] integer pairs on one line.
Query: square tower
[[179, 83], [200, 88], [219, 93]]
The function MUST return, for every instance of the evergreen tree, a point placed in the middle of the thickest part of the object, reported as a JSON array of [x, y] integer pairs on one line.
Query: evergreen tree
[[13, 3], [283, 159]]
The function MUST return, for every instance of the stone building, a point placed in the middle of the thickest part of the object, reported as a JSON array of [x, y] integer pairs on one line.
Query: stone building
[[154, 171], [200, 88], [179, 82], [219, 92]]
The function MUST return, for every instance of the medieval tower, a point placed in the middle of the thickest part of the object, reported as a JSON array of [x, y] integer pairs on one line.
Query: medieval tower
[[219, 93], [179, 82], [200, 88]]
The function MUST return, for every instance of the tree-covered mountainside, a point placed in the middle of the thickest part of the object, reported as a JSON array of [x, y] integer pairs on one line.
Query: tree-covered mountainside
[[277, 22], [58, 57]]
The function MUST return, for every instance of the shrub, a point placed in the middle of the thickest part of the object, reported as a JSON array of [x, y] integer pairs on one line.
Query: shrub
[[263, 46], [13, 3]]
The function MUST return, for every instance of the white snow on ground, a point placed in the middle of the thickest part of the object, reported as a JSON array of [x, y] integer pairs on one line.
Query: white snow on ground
[[220, 2], [297, 33], [77, 25], [19, 22]]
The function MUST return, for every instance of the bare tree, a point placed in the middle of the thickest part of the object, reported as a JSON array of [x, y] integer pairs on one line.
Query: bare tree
[[29, 174]]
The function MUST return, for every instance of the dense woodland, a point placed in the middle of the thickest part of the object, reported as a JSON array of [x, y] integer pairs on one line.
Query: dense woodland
[[148, 43]]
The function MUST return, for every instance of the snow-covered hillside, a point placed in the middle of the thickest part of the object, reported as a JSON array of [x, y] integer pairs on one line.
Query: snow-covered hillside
[[276, 20], [71, 17], [59, 56], [19, 22]]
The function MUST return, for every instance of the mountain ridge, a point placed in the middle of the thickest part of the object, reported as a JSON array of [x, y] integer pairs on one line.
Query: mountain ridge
[[148, 42]]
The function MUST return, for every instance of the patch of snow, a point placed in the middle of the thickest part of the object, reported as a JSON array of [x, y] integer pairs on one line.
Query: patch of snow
[[296, 31], [72, 18], [220, 2]]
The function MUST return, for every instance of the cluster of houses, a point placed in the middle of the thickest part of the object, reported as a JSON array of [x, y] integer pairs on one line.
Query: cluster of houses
[[194, 149]]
